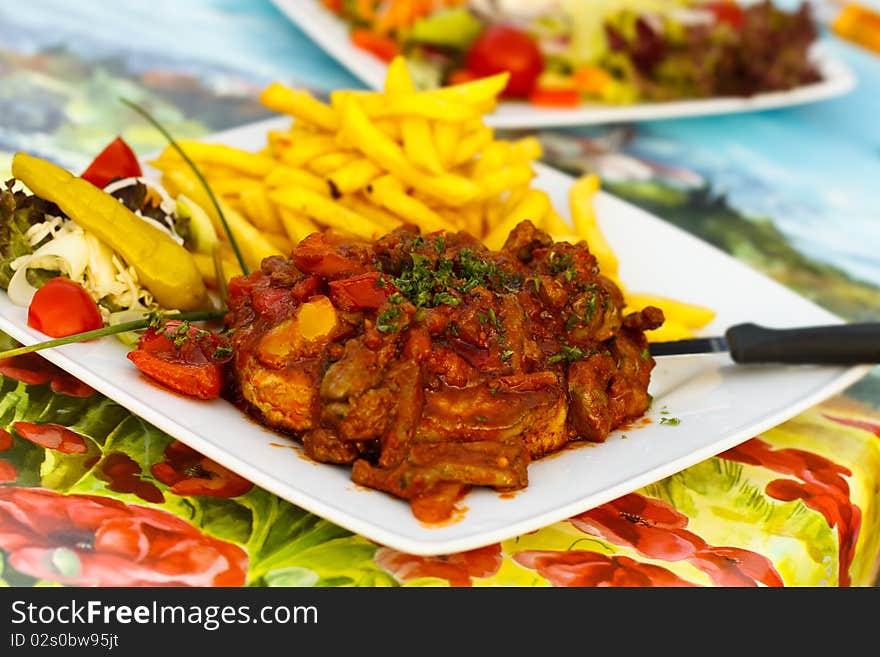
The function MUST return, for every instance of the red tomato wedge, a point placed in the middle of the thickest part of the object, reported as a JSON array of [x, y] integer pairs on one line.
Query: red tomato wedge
[[182, 357], [502, 48], [62, 307], [117, 160]]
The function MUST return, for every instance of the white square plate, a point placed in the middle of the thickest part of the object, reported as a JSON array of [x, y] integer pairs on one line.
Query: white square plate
[[720, 404], [331, 33]]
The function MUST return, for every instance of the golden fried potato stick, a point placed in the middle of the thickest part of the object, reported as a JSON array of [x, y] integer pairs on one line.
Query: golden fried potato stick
[[447, 135], [358, 130], [482, 93], [471, 144], [203, 153], [324, 165], [534, 206], [690, 315], [353, 177], [260, 210], [305, 148], [419, 146], [325, 211], [300, 105], [387, 192], [285, 176], [583, 215], [297, 226], [493, 184], [375, 213], [253, 244]]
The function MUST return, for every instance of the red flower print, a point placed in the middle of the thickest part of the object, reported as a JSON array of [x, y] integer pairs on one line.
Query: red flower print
[[189, 473], [7, 472], [33, 369], [822, 487], [730, 566], [457, 569], [657, 530], [84, 540], [5, 440], [122, 474], [52, 436], [643, 523], [585, 568], [873, 427]]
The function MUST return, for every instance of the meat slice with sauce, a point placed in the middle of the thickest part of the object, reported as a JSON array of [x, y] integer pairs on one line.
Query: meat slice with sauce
[[430, 364]]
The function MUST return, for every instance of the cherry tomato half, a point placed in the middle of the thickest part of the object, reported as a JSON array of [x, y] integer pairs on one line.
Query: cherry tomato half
[[502, 48], [117, 160], [63, 307]]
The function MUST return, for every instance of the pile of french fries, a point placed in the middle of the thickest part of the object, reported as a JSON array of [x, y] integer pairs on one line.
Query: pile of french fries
[[368, 161]]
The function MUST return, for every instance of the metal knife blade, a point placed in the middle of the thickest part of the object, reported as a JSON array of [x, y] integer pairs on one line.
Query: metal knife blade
[[713, 345]]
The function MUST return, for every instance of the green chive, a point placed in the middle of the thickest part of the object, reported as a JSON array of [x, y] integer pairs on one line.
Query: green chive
[[133, 325]]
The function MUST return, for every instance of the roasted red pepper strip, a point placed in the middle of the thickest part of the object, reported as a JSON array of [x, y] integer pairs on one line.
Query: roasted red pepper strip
[[182, 357], [117, 160]]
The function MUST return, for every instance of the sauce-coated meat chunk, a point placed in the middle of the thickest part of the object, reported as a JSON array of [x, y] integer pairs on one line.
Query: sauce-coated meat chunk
[[431, 364]]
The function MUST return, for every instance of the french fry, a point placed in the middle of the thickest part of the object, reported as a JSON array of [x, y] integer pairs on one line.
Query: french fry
[[554, 223], [235, 159], [447, 134], [252, 243], [690, 315], [306, 148], [325, 211], [356, 126], [471, 144], [534, 205], [377, 214], [387, 192], [285, 176], [668, 332], [398, 79], [583, 216], [481, 93], [260, 210], [205, 264], [353, 177], [418, 144], [499, 181], [299, 104], [282, 242], [297, 226], [324, 165]]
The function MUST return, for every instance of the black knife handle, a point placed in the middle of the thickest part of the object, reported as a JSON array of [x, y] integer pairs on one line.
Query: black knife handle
[[838, 344]]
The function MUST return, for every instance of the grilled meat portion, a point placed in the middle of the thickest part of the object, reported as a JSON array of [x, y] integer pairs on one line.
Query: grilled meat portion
[[431, 364]]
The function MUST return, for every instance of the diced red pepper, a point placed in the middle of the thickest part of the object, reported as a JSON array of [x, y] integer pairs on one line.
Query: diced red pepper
[[728, 11], [117, 160], [365, 292], [381, 46], [317, 254], [555, 97], [183, 358]]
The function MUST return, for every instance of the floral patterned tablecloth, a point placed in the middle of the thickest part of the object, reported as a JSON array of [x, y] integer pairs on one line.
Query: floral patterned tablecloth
[[90, 494]]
